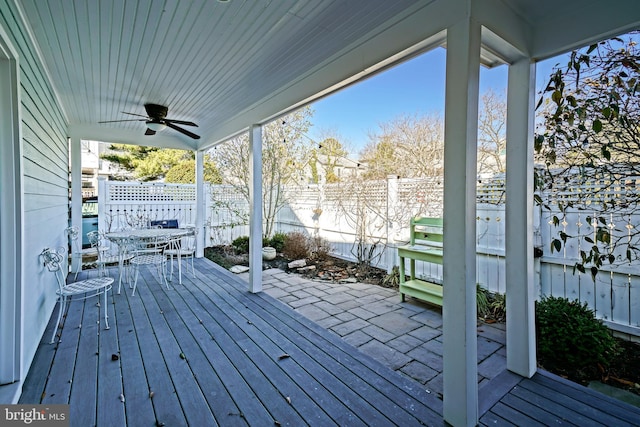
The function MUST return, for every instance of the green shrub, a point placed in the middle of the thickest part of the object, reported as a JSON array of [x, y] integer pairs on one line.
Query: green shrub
[[277, 241], [482, 301], [570, 338], [498, 305], [295, 246], [241, 245]]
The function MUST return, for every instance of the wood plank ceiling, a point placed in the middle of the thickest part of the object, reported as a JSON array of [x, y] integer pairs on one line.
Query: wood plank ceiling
[[208, 61]]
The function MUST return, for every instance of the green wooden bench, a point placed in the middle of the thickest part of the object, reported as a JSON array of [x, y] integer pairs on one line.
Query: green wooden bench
[[425, 244]]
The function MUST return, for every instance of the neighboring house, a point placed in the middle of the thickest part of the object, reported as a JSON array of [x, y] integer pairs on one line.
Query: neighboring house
[[339, 167], [234, 66], [94, 167]]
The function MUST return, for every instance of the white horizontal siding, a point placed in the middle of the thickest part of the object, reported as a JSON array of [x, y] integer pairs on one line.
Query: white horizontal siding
[[44, 182]]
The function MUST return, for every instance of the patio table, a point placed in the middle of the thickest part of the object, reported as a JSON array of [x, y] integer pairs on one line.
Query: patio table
[[121, 238]]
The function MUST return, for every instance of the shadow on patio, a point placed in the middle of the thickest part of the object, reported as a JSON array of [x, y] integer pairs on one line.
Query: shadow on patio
[[210, 353]]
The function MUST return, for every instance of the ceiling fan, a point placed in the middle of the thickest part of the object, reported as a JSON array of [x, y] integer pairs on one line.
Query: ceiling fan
[[156, 121]]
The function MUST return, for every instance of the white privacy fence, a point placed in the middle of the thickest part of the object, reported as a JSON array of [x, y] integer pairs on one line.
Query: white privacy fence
[[376, 215]]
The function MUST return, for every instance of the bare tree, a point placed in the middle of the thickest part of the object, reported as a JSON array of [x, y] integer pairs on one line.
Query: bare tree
[[407, 146], [285, 155], [492, 139]]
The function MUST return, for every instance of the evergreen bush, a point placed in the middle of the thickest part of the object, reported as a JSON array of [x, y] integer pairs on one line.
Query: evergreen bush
[[277, 241], [241, 244], [570, 338]]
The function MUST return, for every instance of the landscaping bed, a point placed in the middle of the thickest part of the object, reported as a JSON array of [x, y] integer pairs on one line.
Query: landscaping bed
[[327, 268]]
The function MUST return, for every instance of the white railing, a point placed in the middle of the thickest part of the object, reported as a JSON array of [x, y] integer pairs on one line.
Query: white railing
[[384, 208]]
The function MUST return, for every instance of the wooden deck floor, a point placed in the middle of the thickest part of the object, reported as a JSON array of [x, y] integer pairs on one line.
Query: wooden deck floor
[[209, 353]]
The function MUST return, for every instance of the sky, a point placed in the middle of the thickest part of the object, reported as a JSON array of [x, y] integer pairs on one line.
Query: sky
[[413, 87]]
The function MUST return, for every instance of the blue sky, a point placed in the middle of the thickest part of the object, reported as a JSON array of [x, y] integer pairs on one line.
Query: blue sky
[[413, 87]]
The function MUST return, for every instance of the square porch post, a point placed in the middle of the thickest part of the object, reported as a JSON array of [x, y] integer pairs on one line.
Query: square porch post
[[75, 148], [200, 204], [521, 336], [255, 209], [459, 258]]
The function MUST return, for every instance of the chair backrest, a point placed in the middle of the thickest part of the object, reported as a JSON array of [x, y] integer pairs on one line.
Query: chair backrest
[[94, 238], [73, 234], [189, 241], [101, 244], [149, 245], [53, 259]]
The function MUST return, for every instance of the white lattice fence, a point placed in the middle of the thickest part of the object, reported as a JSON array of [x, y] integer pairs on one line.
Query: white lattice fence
[[133, 204]]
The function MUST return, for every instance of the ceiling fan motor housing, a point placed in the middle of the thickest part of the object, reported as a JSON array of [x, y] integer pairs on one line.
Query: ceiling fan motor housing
[[156, 112]]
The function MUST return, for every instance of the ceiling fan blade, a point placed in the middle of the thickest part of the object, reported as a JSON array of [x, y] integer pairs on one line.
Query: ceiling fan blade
[[184, 131], [134, 114], [149, 132], [128, 120], [181, 122]]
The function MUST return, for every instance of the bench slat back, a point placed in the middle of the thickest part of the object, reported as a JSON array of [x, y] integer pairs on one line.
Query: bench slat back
[[425, 230]]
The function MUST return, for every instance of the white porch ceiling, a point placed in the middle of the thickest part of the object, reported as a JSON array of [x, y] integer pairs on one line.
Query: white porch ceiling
[[227, 65]]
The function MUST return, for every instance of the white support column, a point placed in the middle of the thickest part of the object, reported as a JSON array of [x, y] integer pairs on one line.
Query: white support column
[[200, 203], [102, 203], [521, 336], [255, 209], [76, 193], [459, 258], [392, 226]]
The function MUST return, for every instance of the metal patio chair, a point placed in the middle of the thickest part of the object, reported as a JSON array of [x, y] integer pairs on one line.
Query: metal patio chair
[[184, 247], [76, 252], [108, 254], [149, 252], [53, 260]]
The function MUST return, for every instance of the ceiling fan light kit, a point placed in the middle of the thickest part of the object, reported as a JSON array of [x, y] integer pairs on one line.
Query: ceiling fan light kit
[[156, 126]]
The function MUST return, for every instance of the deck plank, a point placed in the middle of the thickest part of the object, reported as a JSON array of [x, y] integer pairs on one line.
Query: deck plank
[[260, 355], [203, 364], [493, 420], [597, 412], [591, 398], [521, 402], [138, 403], [558, 410], [494, 390], [110, 409], [192, 402], [166, 404], [58, 385], [514, 416], [38, 375], [83, 390]]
